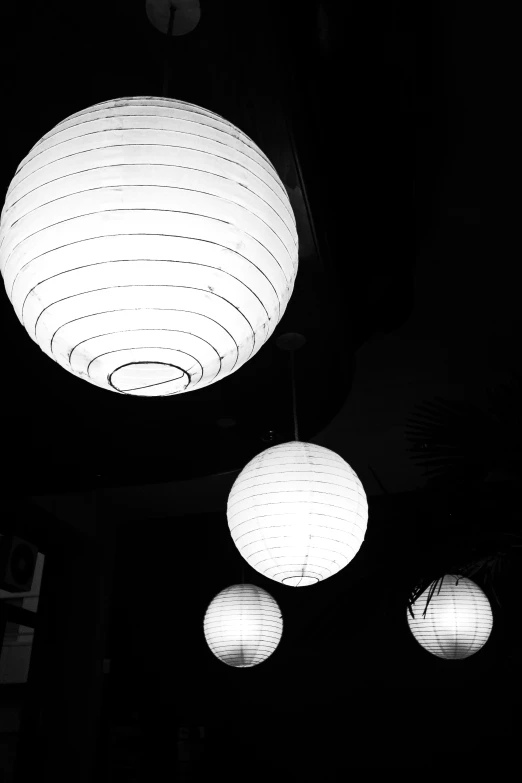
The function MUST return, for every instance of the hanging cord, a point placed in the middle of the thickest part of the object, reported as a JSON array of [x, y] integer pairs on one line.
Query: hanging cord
[[292, 371], [165, 90], [291, 342], [377, 479]]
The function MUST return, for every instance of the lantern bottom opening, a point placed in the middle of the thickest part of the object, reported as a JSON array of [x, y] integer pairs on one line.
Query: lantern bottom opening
[[149, 378], [300, 580]]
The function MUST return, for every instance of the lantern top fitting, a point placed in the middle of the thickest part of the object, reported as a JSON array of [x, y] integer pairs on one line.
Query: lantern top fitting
[[186, 15]]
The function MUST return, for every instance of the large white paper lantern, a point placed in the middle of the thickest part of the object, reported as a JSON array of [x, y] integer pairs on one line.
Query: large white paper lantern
[[458, 619], [243, 625], [298, 513], [148, 246]]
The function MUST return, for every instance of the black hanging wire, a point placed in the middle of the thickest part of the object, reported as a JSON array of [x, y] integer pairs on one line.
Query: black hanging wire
[[292, 342], [377, 479], [165, 90]]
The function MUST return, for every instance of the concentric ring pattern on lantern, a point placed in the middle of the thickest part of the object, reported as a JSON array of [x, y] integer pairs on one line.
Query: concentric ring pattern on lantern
[[243, 625], [297, 513], [148, 246]]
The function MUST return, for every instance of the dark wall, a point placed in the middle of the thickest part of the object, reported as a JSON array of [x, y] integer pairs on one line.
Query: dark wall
[[347, 676]]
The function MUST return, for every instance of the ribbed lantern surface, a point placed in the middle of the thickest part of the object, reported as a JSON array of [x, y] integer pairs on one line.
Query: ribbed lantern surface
[[458, 619], [243, 625], [298, 513], [148, 246]]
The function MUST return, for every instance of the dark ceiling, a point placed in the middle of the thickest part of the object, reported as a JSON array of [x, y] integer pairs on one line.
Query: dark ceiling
[[337, 101], [373, 115], [374, 119]]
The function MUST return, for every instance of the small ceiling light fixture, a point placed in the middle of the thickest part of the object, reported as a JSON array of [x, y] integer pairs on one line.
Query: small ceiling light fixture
[[243, 625], [297, 512], [148, 246], [185, 15], [452, 618]]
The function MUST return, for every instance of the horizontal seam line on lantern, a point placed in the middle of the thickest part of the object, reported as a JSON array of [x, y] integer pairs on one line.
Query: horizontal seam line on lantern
[[219, 615], [110, 130], [171, 187], [305, 467], [115, 261], [253, 602], [119, 209], [252, 611], [298, 469], [269, 618], [270, 627], [153, 347], [169, 146], [234, 524], [172, 165], [129, 309], [278, 534], [138, 100], [149, 329], [306, 457], [297, 458], [355, 517], [301, 504], [222, 643], [249, 143], [207, 266], [251, 147], [312, 570], [221, 623], [250, 602], [312, 488], [314, 558], [79, 116], [277, 572], [144, 285], [239, 487]]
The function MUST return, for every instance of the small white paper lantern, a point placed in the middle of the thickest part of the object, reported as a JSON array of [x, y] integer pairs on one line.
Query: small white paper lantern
[[458, 619], [298, 513], [148, 246], [243, 625]]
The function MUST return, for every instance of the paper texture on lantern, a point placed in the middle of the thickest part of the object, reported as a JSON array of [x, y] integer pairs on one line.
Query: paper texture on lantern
[[243, 625], [458, 619], [298, 513], [148, 246]]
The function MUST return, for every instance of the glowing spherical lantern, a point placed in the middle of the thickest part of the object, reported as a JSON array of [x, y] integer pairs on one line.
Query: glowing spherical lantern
[[148, 246], [298, 513], [243, 625], [458, 619]]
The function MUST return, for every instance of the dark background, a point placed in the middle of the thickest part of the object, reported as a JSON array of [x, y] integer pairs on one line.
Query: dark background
[[385, 124]]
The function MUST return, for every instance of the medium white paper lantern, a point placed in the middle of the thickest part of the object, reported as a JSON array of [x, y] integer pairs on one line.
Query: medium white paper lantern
[[458, 619], [297, 513], [148, 246], [243, 625]]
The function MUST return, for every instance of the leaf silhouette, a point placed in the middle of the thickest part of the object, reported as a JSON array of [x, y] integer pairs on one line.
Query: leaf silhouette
[[455, 442]]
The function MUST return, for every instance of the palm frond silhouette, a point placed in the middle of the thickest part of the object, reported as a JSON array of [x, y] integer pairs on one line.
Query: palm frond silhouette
[[456, 442]]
